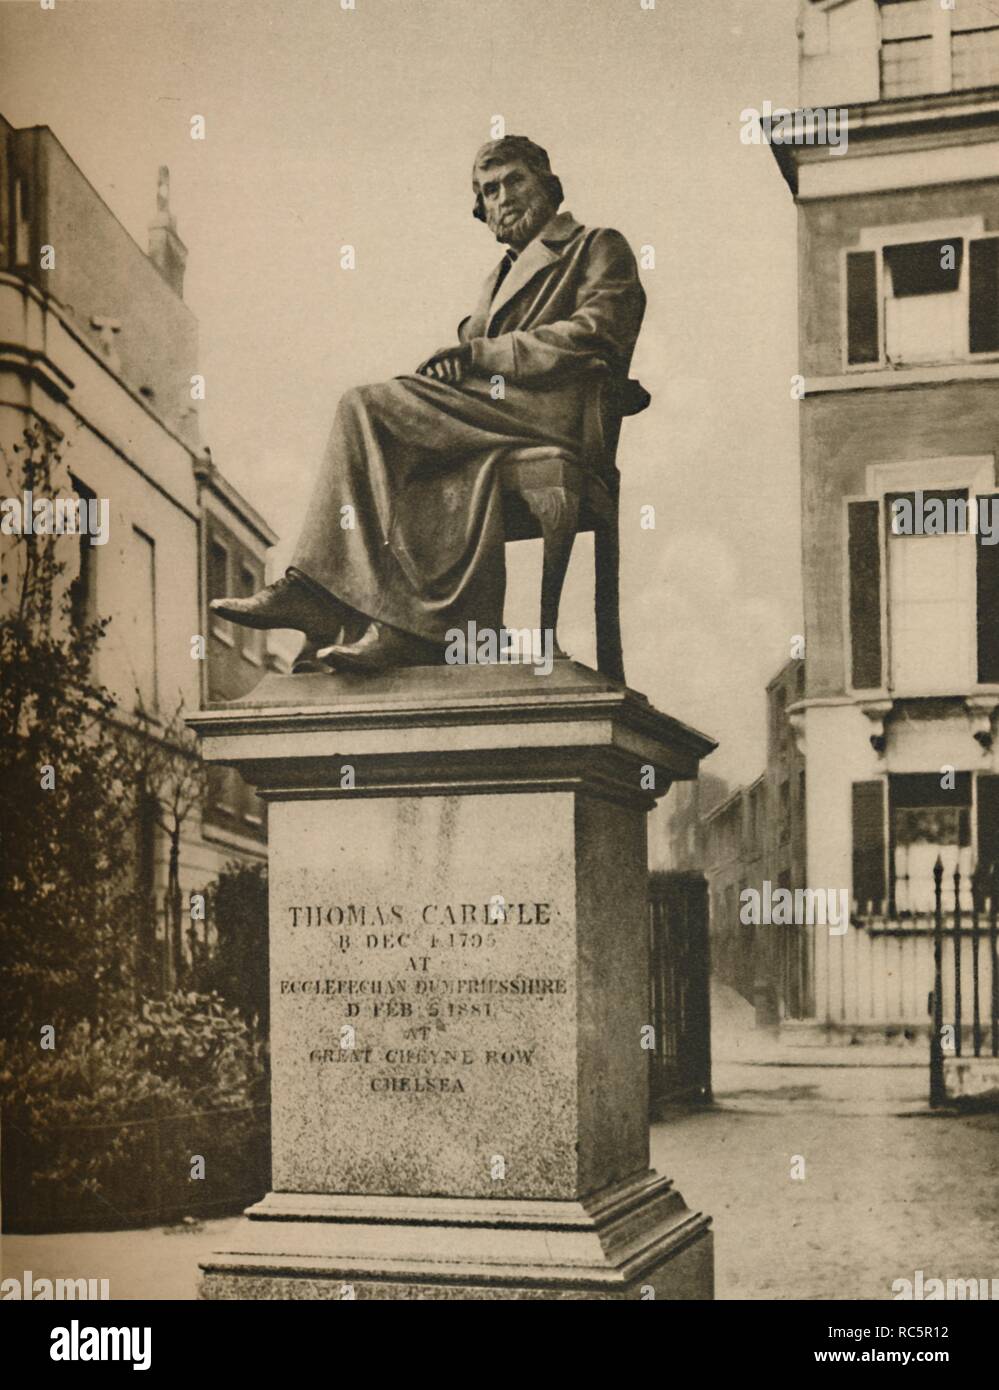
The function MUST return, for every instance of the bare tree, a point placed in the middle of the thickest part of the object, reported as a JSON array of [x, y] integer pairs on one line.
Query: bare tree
[[171, 779]]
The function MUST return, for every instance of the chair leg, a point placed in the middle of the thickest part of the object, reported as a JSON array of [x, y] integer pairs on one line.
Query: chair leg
[[557, 512], [607, 557]]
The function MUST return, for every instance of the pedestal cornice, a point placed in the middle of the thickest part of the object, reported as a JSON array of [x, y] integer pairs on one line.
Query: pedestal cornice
[[451, 730]]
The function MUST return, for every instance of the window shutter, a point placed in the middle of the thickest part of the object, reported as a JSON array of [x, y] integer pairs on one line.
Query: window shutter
[[988, 820], [864, 548], [862, 307], [869, 845], [983, 295], [987, 586]]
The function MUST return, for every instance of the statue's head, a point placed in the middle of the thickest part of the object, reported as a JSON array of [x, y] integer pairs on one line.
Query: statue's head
[[516, 192]]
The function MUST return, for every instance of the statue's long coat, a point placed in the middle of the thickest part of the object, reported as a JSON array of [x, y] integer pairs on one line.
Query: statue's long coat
[[417, 460]]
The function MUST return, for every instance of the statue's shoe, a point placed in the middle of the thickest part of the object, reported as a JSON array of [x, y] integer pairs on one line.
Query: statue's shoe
[[285, 603], [380, 649], [303, 667], [307, 662]]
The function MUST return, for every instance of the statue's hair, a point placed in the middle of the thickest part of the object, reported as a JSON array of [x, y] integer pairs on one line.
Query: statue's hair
[[520, 148]]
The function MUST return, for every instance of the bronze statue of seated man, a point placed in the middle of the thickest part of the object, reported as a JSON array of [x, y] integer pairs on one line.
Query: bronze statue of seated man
[[403, 539]]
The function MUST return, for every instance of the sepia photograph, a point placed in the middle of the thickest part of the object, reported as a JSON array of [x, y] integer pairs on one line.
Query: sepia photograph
[[499, 668]]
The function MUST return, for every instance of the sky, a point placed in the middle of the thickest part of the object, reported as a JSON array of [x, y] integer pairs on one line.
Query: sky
[[326, 127]]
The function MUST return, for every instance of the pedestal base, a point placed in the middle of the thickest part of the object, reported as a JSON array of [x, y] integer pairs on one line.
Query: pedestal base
[[636, 1240], [459, 962]]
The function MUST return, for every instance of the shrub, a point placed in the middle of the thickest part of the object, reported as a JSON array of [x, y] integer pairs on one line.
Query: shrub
[[65, 796], [101, 1130], [237, 968], [201, 1044]]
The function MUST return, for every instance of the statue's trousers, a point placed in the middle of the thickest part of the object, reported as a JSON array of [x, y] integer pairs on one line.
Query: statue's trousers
[[405, 523]]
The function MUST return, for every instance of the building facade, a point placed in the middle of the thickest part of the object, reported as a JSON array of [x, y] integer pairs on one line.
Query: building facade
[[745, 839], [899, 427], [787, 949], [97, 342], [733, 839]]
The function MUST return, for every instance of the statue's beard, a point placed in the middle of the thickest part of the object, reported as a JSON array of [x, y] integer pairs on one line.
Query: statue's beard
[[523, 229]]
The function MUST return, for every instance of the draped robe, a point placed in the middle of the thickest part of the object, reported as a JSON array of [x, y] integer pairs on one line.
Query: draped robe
[[418, 460]]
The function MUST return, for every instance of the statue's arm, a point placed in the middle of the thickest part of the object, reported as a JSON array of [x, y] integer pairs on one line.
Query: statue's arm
[[603, 327], [450, 364]]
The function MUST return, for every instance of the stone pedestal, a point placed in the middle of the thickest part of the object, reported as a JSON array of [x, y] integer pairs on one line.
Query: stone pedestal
[[459, 986]]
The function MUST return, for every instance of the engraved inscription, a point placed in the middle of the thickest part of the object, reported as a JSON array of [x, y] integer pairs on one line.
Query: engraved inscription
[[416, 984]]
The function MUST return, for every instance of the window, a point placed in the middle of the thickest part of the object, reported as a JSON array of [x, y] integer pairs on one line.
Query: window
[[923, 309], [83, 589], [903, 824], [142, 648], [253, 647], [931, 581], [753, 844], [784, 812], [974, 44], [923, 589], [906, 47], [22, 226], [218, 587], [218, 570], [150, 925], [911, 302], [232, 805], [223, 789], [938, 46], [778, 708], [927, 821], [731, 915]]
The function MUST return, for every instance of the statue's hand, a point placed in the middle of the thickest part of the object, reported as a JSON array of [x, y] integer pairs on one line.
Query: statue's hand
[[450, 364]]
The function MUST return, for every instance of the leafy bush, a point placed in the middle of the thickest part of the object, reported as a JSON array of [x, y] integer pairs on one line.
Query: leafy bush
[[65, 795], [237, 968], [201, 1044], [100, 1130], [185, 1052]]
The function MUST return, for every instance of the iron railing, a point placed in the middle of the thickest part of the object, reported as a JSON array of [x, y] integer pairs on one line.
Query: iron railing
[[134, 1172], [965, 997], [679, 980]]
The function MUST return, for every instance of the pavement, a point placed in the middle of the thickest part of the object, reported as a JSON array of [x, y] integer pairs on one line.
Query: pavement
[[888, 1187], [825, 1172], [157, 1262]]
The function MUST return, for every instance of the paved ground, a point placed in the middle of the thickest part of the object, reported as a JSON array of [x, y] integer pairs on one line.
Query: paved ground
[[888, 1187], [160, 1262]]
